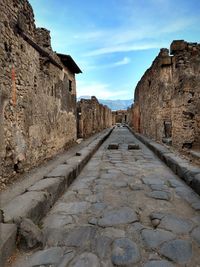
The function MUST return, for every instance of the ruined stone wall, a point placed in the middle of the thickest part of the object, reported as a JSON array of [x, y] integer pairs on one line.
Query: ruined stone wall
[[167, 98], [120, 116], [92, 116], [37, 111]]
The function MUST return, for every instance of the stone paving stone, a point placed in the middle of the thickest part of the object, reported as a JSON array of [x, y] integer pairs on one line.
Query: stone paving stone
[[159, 195], [179, 251], [176, 224], [125, 252], [51, 256], [153, 181], [102, 246], [196, 235], [119, 216], [80, 237], [86, 259], [71, 208], [67, 257], [159, 263], [154, 238]]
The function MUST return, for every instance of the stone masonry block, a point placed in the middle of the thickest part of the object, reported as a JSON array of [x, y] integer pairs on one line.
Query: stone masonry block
[[53, 186], [31, 205], [8, 234]]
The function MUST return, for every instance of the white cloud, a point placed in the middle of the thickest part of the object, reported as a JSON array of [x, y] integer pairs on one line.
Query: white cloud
[[100, 90], [119, 63]]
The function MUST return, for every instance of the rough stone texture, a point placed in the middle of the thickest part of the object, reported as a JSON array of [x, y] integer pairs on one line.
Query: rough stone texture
[[196, 235], [180, 251], [85, 260], [125, 252], [8, 234], [31, 205], [157, 263], [119, 116], [92, 117], [167, 98], [30, 234], [37, 94], [154, 238], [119, 216]]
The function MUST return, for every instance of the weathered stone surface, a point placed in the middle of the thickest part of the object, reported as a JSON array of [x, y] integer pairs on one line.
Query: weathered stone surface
[[176, 224], [84, 260], [160, 195], [71, 208], [125, 252], [51, 256], [68, 256], [59, 171], [196, 235], [157, 263], [154, 238], [179, 251], [119, 216], [103, 246], [53, 186], [152, 181], [92, 117], [30, 234], [80, 237], [8, 234], [31, 205], [165, 87]]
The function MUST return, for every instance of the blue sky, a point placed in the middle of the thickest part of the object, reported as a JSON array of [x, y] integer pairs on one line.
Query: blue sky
[[115, 41]]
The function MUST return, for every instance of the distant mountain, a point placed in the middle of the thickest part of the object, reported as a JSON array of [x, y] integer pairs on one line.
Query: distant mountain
[[113, 104]]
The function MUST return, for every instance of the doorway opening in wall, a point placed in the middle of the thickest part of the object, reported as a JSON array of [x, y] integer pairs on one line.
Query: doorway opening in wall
[[167, 139], [70, 86]]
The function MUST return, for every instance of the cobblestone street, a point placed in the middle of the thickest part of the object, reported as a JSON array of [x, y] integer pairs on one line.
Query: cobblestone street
[[126, 208]]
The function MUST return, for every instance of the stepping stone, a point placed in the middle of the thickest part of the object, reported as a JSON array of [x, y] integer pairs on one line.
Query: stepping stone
[[196, 235], [119, 216], [162, 195], [176, 224], [179, 251], [159, 263], [113, 146], [86, 259], [154, 238], [124, 252], [133, 146]]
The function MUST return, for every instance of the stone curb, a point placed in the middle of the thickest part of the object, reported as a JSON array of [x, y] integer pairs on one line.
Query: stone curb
[[181, 167], [39, 198]]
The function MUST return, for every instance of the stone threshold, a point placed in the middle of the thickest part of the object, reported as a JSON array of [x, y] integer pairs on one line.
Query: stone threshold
[[40, 197], [181, 167]]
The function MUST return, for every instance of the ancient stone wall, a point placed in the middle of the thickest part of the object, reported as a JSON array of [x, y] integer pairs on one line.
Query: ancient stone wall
[[37, 109], [167, 98], [120, 116], [92, 117]]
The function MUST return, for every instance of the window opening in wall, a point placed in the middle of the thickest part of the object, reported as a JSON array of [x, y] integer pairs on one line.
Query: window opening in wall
[[70, 85]]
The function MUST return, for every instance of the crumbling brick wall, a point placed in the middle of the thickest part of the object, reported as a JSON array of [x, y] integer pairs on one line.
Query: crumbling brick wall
[[92, 117], [120, 116], [167, 98], [37, 110]]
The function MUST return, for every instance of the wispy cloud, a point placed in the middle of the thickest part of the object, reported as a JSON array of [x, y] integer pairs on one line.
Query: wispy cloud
[[123, 48], [119, 63]]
